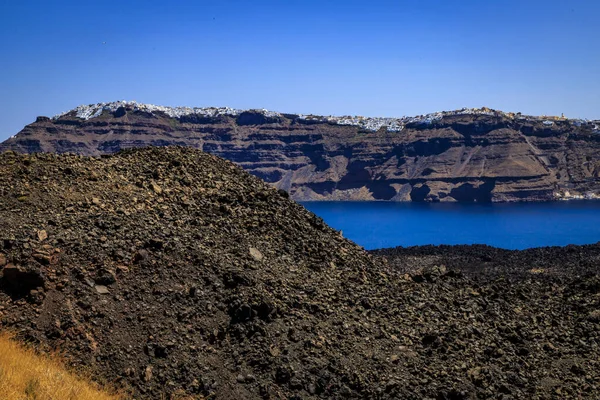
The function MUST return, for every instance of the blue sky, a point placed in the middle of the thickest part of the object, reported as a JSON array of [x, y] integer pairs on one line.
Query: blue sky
[[376, 58]]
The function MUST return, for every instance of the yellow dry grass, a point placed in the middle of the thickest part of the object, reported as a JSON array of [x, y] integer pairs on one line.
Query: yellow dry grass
[[537, 270], [25, 375]]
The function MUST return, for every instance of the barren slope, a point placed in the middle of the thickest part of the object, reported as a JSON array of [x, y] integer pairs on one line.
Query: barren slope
[[170, 271]]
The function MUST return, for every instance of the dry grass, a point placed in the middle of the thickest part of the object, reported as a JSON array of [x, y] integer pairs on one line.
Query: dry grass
[[537, 271], [25, 375]]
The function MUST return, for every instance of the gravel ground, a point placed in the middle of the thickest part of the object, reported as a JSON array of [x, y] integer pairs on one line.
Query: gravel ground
[[172, 272]]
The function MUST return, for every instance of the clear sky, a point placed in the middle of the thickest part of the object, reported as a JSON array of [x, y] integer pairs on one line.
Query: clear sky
[[375, 58]]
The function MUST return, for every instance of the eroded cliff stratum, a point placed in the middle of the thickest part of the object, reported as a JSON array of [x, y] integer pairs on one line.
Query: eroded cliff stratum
[[467, 155]]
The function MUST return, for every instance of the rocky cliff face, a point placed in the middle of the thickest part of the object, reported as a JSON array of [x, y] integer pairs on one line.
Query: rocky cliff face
[[469, 155]]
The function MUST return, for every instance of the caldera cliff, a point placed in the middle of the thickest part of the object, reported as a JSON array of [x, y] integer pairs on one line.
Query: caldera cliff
[[469, 155]]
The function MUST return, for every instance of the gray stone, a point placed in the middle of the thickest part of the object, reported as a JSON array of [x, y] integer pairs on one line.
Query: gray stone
[[256, 254], [100, 289]]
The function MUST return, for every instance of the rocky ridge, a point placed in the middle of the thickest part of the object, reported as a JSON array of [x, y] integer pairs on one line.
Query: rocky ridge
[[173, 272], [89, 111], [466, 155]]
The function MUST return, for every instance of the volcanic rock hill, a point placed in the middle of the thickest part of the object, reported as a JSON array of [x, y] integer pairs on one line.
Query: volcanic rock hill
[[467, 155], [173, 272]]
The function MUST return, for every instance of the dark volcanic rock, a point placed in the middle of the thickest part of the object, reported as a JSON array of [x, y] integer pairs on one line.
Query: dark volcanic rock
[[467, 157], [173, 272], [22, 279]]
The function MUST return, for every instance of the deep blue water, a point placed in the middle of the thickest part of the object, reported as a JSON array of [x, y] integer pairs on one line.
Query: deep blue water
[[511, 226]]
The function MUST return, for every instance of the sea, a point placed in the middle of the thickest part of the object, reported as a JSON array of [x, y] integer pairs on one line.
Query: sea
[[376, 225]]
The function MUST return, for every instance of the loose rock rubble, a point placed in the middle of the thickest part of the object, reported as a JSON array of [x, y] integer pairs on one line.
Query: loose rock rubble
[[172, 272]]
